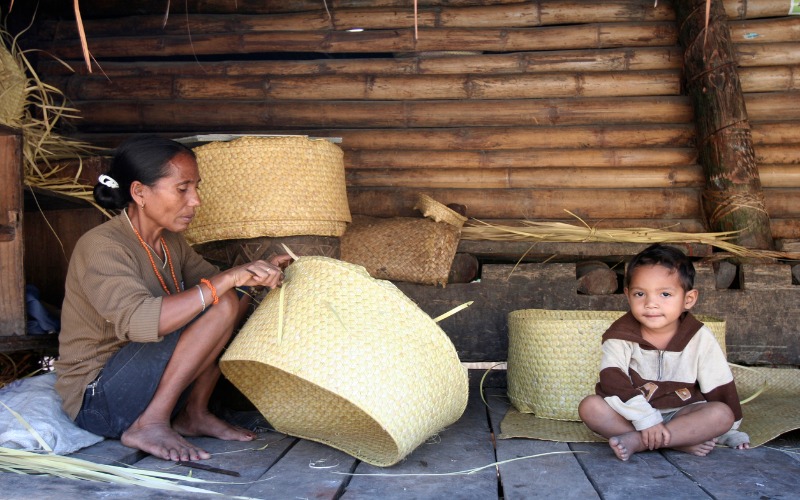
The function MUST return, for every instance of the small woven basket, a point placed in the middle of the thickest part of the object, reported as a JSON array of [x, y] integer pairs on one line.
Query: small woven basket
[[554, 358], [411, 249], [338, 357], [270, 186]]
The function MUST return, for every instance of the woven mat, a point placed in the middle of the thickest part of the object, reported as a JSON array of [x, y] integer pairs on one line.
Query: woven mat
[[775, 411]]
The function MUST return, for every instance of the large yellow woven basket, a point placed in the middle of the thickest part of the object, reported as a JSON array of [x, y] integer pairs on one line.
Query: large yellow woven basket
[[270, 186], [554, 358], [338, 357]]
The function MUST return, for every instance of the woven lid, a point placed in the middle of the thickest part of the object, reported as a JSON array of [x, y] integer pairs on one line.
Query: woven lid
[[440, 213], [270, 186], [338, 357]]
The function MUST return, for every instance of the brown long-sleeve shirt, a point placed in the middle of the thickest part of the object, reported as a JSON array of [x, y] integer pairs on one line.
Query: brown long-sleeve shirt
[[113, 297]]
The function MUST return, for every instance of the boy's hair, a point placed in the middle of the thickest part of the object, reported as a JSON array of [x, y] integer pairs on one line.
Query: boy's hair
[[669, 257]]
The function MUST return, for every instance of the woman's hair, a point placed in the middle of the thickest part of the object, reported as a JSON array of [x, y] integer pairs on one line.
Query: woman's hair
[[143, 158], [669, 257]]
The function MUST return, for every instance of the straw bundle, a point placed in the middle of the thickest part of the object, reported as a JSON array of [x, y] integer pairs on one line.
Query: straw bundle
[[338, 357], [554, 358], [562, 232], [270, 186], [35, 108]]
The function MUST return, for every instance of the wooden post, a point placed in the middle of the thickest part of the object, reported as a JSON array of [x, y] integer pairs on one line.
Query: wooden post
[[733, 199], [12, 285]]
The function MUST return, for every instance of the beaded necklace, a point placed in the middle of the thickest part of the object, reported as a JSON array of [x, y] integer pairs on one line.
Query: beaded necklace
[[153, 262]]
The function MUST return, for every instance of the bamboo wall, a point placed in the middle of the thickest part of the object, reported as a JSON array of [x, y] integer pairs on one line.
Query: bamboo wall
[[514, 109]]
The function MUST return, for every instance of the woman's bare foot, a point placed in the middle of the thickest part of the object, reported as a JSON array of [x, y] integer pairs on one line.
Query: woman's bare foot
[[626, 445], [699, 450], [207, 424], [161, 441]]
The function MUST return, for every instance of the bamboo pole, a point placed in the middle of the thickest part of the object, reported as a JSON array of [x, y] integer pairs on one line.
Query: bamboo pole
[[609, 178], [535, 204], [733, 198], [782, 29], [597, 60], [779, 176], [592, 36], [570, 156], [680, 135], [227, 116], [767, 54], [770, 79], [520, 137], [372, 87]]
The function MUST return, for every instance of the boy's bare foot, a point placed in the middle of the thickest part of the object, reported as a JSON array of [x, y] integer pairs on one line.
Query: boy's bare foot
[[207, 424], [699, 450], [625, 445], [161, 441]]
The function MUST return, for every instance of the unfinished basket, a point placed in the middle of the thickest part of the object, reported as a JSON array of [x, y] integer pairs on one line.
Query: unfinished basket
[[270, 186], [338, 357], [554, 358], [412, 249]]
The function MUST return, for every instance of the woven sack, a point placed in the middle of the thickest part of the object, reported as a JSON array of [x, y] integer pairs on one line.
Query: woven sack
[[338, 357], [270, 186], [554, 358], [412, 249]]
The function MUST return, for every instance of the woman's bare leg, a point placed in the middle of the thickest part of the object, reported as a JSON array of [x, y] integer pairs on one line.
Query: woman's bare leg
[[194, 360]]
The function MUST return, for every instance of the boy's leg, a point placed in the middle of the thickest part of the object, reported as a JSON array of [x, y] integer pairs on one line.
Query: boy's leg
[[623, 438], [694, 428]]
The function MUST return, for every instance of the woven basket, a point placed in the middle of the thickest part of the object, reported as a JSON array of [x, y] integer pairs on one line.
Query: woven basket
[[270, 186], [412, 249], [554, 358], [338, 357]]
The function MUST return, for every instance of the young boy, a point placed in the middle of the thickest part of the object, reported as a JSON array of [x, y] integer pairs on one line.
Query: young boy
[[664, 380]]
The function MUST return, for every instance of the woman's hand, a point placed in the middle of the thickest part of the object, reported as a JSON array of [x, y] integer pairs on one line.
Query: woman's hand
[[262, 273]]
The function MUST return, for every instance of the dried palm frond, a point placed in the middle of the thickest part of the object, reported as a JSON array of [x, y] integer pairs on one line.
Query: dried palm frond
[[35, 108], [563, 232], [26, 462]]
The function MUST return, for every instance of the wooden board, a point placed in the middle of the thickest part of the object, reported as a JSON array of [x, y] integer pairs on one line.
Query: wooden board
[[536, 477], [426, 472], [12, 286]]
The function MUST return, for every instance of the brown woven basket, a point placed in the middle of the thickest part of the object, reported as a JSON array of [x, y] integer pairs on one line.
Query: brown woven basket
[[412, 249], [338, 357], [554, 358], [270, 186]]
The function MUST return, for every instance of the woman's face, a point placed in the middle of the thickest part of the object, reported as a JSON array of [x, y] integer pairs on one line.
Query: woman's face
[[171, 203]]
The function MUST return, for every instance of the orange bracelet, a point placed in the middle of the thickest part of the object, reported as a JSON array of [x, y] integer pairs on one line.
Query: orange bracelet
[[214, 296]]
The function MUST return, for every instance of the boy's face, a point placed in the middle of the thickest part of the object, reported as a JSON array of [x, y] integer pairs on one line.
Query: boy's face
[[657, 298]]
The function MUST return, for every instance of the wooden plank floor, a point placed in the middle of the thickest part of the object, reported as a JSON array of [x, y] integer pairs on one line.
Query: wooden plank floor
[[279, 466]]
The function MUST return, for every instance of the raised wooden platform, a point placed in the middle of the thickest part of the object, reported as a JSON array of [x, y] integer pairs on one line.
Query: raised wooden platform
[[463, 461]]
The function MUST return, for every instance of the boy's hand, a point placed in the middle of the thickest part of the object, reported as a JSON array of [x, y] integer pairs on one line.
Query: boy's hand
[[656, 437]]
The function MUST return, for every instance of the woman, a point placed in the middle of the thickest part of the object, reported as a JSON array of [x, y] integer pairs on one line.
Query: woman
[[145, 318]]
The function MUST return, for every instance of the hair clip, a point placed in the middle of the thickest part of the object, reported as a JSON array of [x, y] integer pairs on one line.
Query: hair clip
[[108, 181]]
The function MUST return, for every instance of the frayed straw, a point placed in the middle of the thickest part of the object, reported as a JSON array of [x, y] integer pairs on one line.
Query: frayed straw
[[35, 110]]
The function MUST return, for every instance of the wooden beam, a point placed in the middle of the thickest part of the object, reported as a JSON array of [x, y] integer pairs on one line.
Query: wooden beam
[[733, 199]]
